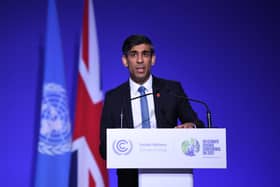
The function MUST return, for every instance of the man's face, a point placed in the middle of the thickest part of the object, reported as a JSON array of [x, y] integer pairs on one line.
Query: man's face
[[139, 61]]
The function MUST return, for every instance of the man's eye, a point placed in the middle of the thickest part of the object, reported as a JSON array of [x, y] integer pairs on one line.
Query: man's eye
[[147, 53], [132, 54]]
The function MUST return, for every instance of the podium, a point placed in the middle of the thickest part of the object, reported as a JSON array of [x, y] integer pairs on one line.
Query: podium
[[163, 156]]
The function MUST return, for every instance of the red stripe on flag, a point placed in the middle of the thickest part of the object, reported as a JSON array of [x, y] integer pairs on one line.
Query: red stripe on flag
[[88, 113], [87, 124]]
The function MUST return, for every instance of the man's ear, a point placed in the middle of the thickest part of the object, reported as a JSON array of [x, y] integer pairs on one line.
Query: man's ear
[[153, 60], [124, 61]]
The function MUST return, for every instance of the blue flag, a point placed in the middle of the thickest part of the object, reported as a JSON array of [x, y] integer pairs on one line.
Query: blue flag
[[54, 143]]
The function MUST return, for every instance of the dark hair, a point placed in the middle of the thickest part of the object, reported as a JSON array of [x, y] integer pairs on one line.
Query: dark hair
[[134, 40]]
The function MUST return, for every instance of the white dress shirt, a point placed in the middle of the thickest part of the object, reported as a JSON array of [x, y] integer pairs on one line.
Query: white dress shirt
[[135, 104]]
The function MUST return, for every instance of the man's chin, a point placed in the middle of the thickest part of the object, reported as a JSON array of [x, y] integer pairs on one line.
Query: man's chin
[[140, 79]]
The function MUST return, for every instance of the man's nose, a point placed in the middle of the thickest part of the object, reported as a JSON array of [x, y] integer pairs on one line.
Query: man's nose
[[140, 58]]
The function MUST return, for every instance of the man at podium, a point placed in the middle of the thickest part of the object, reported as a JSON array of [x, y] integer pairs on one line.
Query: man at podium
[[144, 101]]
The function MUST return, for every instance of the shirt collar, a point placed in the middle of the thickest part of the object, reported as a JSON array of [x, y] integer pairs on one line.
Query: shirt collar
[[134, 86]]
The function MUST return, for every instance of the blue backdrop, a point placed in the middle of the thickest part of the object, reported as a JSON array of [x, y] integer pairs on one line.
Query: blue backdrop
[[223, 52]]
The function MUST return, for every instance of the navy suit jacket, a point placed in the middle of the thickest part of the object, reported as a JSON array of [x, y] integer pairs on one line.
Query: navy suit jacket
[[169, 101]]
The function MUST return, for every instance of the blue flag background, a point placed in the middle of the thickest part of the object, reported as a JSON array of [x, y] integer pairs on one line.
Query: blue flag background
[[54, 143]]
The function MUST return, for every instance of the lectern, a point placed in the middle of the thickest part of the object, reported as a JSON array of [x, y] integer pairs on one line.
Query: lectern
[[163, 156]]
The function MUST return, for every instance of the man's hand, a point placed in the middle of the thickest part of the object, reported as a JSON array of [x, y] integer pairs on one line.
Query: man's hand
[[186, 125]]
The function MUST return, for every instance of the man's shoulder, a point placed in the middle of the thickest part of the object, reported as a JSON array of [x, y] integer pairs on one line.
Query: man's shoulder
[[122, 88], [162, 81]]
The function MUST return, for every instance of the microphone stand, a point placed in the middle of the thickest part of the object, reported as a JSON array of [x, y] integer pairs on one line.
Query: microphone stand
[[130, 99], [208, 112]]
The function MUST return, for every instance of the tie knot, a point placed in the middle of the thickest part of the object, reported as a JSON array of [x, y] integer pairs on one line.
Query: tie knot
[[141, 89]]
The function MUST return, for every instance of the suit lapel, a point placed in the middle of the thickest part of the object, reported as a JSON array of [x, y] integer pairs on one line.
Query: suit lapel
[[128, 121], [158, 87], [157, 100]]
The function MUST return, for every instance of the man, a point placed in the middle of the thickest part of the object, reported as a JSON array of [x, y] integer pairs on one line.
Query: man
[[161, 105]]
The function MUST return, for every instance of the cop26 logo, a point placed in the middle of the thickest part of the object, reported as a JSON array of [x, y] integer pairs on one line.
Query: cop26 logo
[[55, 131], [190, 147], [122, 146]]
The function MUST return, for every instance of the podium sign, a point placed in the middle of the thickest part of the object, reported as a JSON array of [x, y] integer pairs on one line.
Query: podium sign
[[166, 148]]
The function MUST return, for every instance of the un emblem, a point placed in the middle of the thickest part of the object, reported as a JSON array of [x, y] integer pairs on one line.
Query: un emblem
[[190, 147], [55, 132]]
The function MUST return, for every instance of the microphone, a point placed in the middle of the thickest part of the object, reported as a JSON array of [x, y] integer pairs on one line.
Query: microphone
[[208, 112], [131, 99]]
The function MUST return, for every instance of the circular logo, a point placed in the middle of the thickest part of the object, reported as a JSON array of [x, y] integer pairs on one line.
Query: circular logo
[[55, 131], [190, 147], [122, 147]]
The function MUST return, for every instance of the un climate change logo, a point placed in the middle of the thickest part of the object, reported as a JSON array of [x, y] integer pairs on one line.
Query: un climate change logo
[[190, 147], [55, 132], [122, 147]]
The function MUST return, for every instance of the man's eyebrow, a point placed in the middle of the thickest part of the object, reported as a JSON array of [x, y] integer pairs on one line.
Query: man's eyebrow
[[135, 51]]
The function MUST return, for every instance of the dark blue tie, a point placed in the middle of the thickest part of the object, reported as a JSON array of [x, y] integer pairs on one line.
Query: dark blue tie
[[144, 108]]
